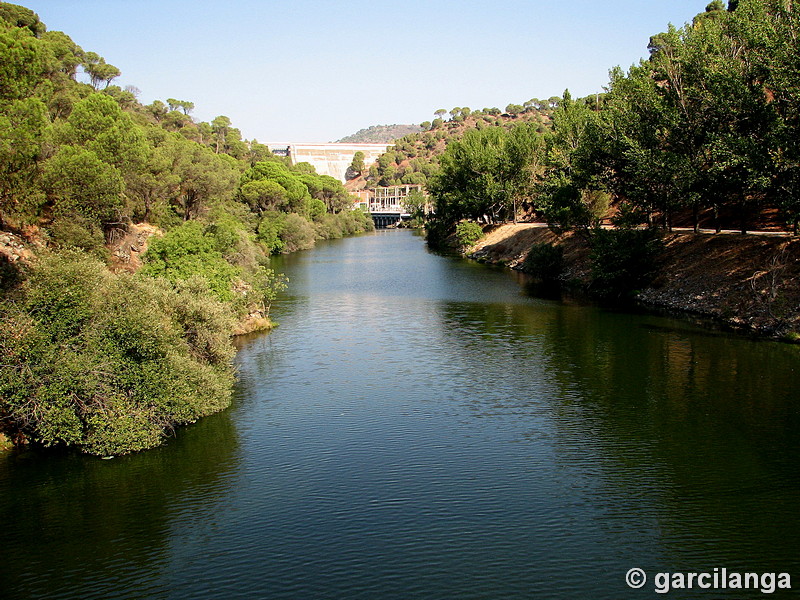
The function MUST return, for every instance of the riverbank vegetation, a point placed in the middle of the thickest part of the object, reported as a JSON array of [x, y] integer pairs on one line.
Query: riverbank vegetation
[[107, 347], [702, 133]]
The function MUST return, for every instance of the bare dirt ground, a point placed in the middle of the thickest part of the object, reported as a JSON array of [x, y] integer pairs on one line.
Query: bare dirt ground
[[128, 245], [747, 281]]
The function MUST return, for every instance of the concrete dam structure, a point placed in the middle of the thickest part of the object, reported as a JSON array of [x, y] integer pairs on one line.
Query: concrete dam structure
[[329, 159]]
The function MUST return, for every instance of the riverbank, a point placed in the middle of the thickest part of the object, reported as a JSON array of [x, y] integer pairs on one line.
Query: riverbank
[[748, 282]]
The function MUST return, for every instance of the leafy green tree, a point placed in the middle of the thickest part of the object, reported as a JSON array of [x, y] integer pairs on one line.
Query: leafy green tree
[[296, 191], [329, 190], [203, 176], [768, 30], [125, 99], [99, 124], [157, 109], [564, 193], [176, 121], [714, 9], [471, 182], [151, 188], [264, 195], [183, 105], [23, 63], [304, 168], [66, 52], [258, 152], [23, 130], [78, 182], [357, 167], [415, 204], [413, 178], [14, 15], [220, 126], [268, 233], [98, 69]]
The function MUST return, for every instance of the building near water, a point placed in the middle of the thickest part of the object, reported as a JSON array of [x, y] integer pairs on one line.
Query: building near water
[[328, 159]]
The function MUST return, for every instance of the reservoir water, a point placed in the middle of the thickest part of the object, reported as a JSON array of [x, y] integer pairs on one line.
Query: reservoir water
[[420, 427]]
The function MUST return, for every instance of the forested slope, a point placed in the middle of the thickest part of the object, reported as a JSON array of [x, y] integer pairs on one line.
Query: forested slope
[[111, 362]]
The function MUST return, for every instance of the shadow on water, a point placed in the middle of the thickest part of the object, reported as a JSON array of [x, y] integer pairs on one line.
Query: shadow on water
[[83, 527], [691, 433]]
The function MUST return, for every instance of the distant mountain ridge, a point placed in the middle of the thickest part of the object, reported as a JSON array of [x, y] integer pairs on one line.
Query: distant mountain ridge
[[379, 134]]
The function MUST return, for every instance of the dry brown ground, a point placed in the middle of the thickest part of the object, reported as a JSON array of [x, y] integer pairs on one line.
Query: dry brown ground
[[750, 281], [746, 280], [128, 245]]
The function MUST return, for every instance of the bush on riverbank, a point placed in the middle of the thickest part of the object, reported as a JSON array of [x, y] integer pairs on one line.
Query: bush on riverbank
[[468, 233], [623, 260], [545, 261], [110, 363], [284, 233]]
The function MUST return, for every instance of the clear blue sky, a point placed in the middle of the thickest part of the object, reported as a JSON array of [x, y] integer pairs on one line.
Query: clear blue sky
[[318, 70]]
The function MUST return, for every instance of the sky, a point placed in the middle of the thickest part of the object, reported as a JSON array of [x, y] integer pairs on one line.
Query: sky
[[318, 70]]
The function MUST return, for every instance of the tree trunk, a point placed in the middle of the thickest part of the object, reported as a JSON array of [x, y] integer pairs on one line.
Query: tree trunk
[[695, 217], [742, 217], [146, 216], [187, 209]]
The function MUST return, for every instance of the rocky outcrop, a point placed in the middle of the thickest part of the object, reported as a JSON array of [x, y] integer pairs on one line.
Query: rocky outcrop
[[127, 245], [14, 249]]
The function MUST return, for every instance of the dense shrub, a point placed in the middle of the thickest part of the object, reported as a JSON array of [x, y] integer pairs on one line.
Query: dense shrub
[[328, 227], [544, 261], [110, 363], [296, 233], [268, 233], [79, 234], [192, 251], [623, 260], [437, 232], [468, 233]]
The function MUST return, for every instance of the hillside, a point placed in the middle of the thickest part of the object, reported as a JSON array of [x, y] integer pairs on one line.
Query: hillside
[[379, 134], [415, 157]]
